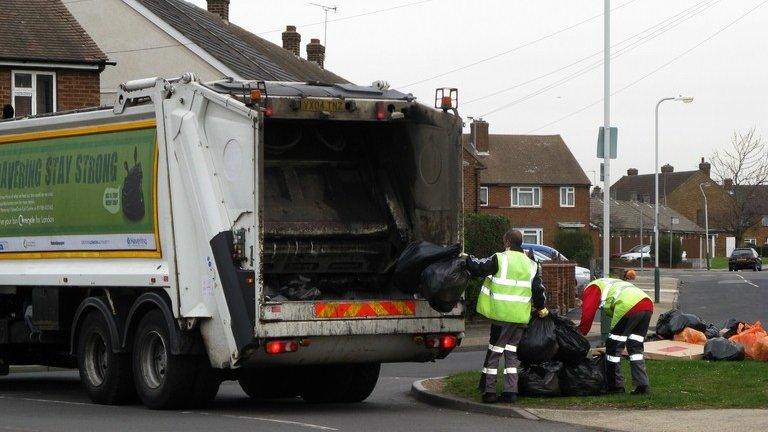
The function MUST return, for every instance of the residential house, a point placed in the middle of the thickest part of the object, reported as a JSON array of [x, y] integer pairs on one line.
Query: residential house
[[532, 180], [170, 37], [632, 225], [48, 63], [682, 192], [757, 198]]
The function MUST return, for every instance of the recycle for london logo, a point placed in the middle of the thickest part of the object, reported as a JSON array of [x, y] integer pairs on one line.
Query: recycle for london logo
[[132, 194]]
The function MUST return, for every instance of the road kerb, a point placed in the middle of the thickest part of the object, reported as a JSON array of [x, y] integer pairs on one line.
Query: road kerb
[[451, 402]]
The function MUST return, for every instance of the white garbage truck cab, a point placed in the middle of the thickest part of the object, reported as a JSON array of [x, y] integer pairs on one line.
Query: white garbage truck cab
[[230, 230]]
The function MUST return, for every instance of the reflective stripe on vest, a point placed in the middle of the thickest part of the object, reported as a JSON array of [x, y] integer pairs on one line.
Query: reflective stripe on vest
[[506, 296]]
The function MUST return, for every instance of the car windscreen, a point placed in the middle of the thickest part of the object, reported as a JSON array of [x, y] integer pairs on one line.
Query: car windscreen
[[742, 253]]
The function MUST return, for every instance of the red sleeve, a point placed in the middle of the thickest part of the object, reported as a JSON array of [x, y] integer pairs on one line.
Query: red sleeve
[[590, 301]]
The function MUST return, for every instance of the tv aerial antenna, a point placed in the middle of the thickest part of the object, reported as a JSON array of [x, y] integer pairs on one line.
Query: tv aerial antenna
[[326, 9]]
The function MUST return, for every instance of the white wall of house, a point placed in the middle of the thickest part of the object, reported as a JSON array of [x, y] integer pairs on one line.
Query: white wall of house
[[141, 48]]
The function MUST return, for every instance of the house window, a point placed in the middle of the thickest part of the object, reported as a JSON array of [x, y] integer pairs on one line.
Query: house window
[[567, 196], [750, 241], [33, 93], [484, 196], [765, 220], [531, 235], [526, 197]]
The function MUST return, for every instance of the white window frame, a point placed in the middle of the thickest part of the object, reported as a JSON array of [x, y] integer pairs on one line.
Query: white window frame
[[487, 196], [764, 220], [564, 192], [750, 241], [25, 91], [538, 232], [514, 193]]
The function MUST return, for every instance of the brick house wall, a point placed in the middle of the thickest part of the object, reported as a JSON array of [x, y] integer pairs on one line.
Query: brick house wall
[[74, 88], [687, 199], [545, 217]]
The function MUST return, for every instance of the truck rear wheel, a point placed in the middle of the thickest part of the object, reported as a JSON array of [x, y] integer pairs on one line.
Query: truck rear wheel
[[163, 380], [340, 383], [106, 375]]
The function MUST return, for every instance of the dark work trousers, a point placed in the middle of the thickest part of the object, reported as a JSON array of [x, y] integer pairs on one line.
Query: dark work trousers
[[504, 340], [630, 331]]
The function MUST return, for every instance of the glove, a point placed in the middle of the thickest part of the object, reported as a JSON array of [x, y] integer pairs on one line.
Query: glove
[[543, 312]]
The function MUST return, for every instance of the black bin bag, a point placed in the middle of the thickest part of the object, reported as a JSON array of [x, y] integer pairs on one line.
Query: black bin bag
[[718, 348], [674, 321], [539, 343], [416, 257], [572, 346], [443, 283], [540, 380], [587, 378]]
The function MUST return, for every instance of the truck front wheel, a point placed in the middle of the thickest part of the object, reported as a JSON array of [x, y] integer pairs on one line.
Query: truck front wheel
[[106, 375], [163, 380], [340, 383]]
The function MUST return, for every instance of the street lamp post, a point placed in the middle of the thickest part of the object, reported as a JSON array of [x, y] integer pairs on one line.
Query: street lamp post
[[706, 218], [656, 275]]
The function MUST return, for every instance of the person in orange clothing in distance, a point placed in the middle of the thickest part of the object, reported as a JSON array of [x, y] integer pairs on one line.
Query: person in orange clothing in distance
[[630, 310]]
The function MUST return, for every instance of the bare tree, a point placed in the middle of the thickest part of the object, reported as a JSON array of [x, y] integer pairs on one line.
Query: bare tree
[[744, 163]]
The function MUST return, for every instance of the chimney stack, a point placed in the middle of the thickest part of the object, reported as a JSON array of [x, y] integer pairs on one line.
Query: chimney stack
[[728, 184], [478, 134], [632, 172], [667, 168], [220, 8], [704, 166], [292, 40], [316, 52]]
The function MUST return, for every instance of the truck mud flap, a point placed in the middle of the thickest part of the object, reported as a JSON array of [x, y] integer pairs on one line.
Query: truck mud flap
[[237, 300]]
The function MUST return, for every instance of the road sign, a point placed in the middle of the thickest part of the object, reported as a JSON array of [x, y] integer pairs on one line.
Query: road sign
[[602, 171], [614, 132], [675, 221]]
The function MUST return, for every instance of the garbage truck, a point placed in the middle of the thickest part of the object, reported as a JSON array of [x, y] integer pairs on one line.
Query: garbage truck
[[232, 230]]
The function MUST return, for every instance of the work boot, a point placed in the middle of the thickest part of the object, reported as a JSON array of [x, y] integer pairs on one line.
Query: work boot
[[641, 390], [490, 398], [509, 397], [615, 391]]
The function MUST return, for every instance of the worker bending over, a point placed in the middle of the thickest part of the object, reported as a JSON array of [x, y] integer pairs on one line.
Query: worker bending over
[[513, 282], [630, 310]]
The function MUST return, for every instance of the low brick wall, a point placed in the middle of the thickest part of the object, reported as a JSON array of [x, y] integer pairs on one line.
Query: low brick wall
[[559, 279]]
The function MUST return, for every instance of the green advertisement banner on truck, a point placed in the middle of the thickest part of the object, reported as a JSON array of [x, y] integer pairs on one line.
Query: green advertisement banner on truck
[[79, 192]]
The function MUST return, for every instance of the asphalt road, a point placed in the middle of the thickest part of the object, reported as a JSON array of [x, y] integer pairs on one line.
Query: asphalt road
[[716, 296], [54, 401]]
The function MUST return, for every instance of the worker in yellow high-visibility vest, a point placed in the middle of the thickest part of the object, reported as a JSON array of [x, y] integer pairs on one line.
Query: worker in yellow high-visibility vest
[[512, 285], [630, 310]]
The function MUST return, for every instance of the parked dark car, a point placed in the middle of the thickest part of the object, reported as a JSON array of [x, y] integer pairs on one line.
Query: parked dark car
[[745, 258]]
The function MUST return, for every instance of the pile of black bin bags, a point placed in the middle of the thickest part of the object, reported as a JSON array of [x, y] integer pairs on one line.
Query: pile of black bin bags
[[717, 347], [555, 362], [437, 272]]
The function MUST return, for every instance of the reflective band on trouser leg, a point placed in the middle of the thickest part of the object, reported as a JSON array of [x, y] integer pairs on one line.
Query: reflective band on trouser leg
[[490, 371], [617, 337], [510, 370], [635, 357], [635, 337], [613, 359], [495, 349], [511, 348]]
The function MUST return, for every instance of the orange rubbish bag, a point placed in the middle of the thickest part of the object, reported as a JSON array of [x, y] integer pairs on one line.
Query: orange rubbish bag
[[691, 336], [751, 337]]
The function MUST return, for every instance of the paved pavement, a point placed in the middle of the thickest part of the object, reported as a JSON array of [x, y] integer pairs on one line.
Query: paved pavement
[[54, 401], [716, 296]]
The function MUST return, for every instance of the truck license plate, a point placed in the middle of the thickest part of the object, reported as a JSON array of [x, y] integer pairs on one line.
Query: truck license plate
[[330, 105]]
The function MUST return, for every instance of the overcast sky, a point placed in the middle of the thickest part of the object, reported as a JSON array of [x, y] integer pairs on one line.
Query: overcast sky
[[549, 70]]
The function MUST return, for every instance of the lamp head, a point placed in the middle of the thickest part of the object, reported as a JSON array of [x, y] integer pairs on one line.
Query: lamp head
[[684, 99]]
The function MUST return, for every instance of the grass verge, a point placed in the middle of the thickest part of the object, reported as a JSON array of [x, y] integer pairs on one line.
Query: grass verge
[[676, 384]]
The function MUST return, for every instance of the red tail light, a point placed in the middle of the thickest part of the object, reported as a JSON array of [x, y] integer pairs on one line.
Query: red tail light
[[444, 342], [269, 111], [281, 346]]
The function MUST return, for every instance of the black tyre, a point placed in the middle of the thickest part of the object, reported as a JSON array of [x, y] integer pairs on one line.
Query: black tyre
[[105, 375], [271, 383], [754, 268], [340, 383], [163, 380], [206, 383]]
